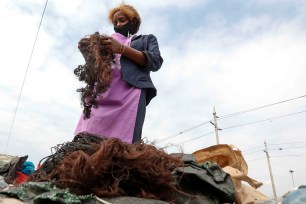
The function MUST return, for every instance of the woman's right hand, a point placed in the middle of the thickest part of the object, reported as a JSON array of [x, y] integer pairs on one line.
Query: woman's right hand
[[112, 45]]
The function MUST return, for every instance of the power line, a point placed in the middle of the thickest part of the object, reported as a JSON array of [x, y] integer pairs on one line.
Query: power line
[[289, 143], [253, 152], [247, 150], [289, 155], [280, 148], [259, 107], [192, 139], [244, 124], [257, 159], [272, 145], [25, 76], [227, 116], [259, 121], [182, 132]]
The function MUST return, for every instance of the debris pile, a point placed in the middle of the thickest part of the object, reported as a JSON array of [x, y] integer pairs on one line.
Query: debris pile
[[92, 168]]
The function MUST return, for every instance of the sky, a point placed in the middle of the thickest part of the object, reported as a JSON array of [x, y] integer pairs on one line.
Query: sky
[[232, 55]]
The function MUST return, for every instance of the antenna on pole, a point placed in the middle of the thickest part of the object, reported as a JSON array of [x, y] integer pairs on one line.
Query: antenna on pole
[[216, 125], [270, 170]]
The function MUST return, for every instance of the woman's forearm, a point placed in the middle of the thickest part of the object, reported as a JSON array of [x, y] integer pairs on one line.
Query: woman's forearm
[[134, 55]]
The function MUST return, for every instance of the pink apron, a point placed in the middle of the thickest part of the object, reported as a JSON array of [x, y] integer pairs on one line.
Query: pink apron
[[116, 113]]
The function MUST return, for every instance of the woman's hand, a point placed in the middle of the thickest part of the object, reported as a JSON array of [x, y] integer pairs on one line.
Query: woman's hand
[[112, 45]]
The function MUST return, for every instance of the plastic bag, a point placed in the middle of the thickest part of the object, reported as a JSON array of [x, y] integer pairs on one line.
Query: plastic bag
[[232, 161]]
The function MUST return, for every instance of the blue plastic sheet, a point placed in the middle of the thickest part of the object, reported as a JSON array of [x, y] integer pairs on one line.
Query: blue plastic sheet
[[295, 197]]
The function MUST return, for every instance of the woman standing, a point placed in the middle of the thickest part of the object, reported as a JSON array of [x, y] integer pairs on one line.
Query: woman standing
[[120, 111]]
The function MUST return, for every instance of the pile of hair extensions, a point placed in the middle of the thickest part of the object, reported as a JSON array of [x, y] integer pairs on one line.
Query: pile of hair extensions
[[110, 168], [96, 72]]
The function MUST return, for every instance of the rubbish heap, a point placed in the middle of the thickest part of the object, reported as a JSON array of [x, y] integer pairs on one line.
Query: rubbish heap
[[91, 169]]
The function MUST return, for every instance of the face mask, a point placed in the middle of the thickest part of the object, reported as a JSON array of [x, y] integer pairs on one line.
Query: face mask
[[127, 29]]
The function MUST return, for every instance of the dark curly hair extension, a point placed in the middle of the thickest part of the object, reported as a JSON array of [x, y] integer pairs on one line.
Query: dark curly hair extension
[[110, 168], [96, 72]]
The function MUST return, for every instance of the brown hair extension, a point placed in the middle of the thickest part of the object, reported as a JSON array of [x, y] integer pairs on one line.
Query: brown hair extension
[[129, 11], [114, 168], [83, 141], [96, 72]]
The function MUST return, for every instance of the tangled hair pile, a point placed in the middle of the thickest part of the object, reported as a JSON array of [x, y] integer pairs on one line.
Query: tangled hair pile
[[110, 168], [82, 142], [96, 72]]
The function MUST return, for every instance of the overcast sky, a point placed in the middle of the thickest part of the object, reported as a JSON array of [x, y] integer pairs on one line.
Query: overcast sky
[[234, 55]]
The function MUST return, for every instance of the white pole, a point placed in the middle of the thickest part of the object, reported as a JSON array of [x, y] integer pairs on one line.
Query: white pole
[[216, 125], [270, 170]]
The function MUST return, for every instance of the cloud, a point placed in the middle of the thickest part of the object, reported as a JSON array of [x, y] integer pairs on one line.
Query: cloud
[[164, 4]]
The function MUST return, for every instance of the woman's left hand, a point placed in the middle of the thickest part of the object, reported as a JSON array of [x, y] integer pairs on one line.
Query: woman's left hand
[[112, 45]]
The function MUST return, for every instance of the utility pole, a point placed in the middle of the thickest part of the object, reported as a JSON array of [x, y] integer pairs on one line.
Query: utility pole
[[271, 176], [291, 171], [216, 125]]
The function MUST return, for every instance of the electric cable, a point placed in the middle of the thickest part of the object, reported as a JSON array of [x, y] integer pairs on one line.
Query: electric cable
[[182, 132], [288, 143], [256, 159], [190, 139], [280, 148], [259, 121], [259, 107], [247, 150], [244, 124], [289, 155], [253, 152], [25, 76], [227, 116]]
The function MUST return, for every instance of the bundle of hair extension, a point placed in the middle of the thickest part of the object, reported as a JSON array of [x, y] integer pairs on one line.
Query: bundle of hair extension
[[82, 141], [96, 72], [111, 168]]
